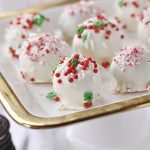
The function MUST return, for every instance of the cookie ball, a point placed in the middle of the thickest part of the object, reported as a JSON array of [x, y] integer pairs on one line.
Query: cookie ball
[[39, 56], [20, 27]]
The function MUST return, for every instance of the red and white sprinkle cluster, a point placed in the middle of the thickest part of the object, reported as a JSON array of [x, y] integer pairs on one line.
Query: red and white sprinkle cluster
[[24, 23], [106, 28], [129, 57], [145, 17], [83, 9], [41, 45], [76, 68]]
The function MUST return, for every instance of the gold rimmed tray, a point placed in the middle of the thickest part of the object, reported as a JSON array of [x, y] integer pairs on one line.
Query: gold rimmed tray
[[27, 103], [17, 111]]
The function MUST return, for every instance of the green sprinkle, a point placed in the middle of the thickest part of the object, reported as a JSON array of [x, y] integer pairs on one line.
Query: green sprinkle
[[99, 23], [39, 21], [88, 96], [120, 3], [55, 67], [74, 62], [80, 30], [51, 95], [84, 37]]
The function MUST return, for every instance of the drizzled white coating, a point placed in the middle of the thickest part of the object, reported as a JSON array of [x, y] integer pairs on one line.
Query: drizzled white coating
[[100, 42], [76, 14]]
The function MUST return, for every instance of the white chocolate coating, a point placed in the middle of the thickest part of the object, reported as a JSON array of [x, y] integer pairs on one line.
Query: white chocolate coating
[[39, 56], [128, 11], [98, 38], [20, 27], [71, 83], [76, 14], [118, 22], [144, 27], [131, 70]]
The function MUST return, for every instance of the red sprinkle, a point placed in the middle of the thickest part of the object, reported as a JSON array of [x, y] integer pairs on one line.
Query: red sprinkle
[[32, 79], [95, 65], [70, 80], [76, 56], [59, 81], [124, 26], [57, 75], [135, 4], [133, 15], [57, 99], [95, 70], [122, 36], [23, 36], [24, 27], [106, 37], [79, 36], [88, 105], [108, 32], [47, 51], [105, 64], [75, 76], [112, 25], [66, 73]]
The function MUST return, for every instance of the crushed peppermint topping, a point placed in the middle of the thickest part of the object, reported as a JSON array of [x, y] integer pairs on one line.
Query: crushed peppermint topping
[[145, 16], [129, 57], [75, 68], [84, 9], [40, 45], [21, 26]]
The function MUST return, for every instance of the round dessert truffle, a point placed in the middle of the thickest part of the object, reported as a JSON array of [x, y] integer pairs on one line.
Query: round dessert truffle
[[76, 14], [39, 56], [76, 82], [131, 70], [144, 27], [19, 28], [128, 11], [98, 38]]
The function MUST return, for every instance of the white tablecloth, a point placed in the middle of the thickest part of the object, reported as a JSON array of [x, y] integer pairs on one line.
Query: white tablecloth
[[29, 139]]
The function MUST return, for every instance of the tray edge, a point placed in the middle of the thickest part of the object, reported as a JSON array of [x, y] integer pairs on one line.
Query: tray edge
[[19, 114]]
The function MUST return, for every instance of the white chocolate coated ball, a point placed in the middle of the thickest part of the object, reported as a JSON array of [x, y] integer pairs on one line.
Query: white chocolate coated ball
[[98, 38], [39, 56], [20, 27], [76, 14], [130, 68], [76, 81]]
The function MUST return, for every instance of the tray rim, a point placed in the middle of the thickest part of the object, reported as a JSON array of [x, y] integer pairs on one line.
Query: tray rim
[[37, 8], [19, 114]]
